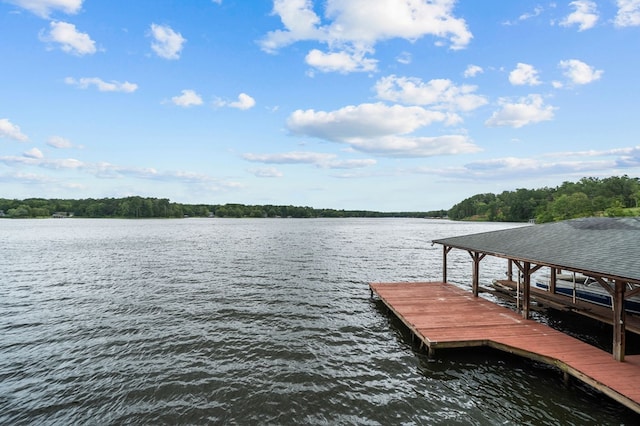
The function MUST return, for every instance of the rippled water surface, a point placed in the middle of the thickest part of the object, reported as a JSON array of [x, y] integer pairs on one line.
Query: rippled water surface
[[248, 321]]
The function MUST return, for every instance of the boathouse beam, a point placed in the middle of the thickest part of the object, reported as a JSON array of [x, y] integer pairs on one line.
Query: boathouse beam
[[632, 293], [531, 269], [619, 321], [604, 284]]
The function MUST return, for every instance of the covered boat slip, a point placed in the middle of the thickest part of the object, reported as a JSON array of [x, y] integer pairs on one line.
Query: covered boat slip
[[564, 302], [606, 249]]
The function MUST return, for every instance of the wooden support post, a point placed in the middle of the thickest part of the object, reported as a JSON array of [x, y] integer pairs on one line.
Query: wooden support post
[[510, 270], [444, 263], [475, 284], [526, 270], [619, 319], [445, 251], [476, 275], [552, 281], [526, 290]]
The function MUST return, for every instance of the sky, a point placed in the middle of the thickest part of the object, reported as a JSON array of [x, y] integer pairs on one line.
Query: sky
[[385, 105]]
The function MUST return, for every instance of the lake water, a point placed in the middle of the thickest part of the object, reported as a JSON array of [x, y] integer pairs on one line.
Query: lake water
[[249, 321]]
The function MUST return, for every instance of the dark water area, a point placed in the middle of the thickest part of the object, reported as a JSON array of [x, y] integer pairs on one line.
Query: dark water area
[[250, 321]]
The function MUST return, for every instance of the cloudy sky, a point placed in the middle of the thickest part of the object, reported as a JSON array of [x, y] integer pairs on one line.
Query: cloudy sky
[[357, 104]]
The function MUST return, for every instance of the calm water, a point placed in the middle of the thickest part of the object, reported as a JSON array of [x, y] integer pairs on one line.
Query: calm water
[[265, 321]]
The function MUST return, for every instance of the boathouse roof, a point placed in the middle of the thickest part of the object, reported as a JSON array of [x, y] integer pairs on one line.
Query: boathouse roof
[[598, 246]]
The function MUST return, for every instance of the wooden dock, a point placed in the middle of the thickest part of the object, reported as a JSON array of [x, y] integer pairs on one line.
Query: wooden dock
[[442, 315]]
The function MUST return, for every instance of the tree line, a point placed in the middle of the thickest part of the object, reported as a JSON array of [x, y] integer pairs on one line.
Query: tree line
[[140, 207], [613, 196]]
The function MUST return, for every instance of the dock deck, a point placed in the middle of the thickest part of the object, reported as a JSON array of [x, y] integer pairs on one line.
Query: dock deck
[[442, 315]]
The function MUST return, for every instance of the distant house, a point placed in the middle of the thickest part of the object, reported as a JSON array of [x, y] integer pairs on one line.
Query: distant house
[[62, 215], [2, 213]]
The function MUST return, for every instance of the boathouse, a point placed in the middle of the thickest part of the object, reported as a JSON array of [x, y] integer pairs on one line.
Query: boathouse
[[607, 249], [442, 315]]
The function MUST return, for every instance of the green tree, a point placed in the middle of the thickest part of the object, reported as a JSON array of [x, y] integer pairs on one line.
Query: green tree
[[616, 210], [570, 206], [95, 209], [20, 212]]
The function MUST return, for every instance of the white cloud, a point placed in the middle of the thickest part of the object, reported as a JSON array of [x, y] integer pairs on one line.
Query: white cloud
[[472, 71], [300, 22], [407, 146], [33, 153], [167, 43], [526, 111], [362, 121], [628, 157], [54, 163], [628, 13], [380, 129], [44, 8], [511, 163], [322, 160], [69, 38], [565, 164], [266, 172], [344, 62], [244, 102], [524, 74], [352, 164], [537, 11], [101, 85], [585, 15], [579, 72], [355, 26], [295, 157], [360, 21], [11, 131], [404, 58], [187, 98], [440, 93], [27, 178], [104, 170], [59, 142]]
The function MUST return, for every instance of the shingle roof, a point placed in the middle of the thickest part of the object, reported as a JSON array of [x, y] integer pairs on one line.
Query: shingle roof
[[607, 247]]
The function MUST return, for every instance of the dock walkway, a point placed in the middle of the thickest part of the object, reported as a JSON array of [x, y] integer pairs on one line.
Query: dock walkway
[[442, 315]]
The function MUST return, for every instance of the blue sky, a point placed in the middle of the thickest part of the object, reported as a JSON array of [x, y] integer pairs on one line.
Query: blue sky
[[382, 105]]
